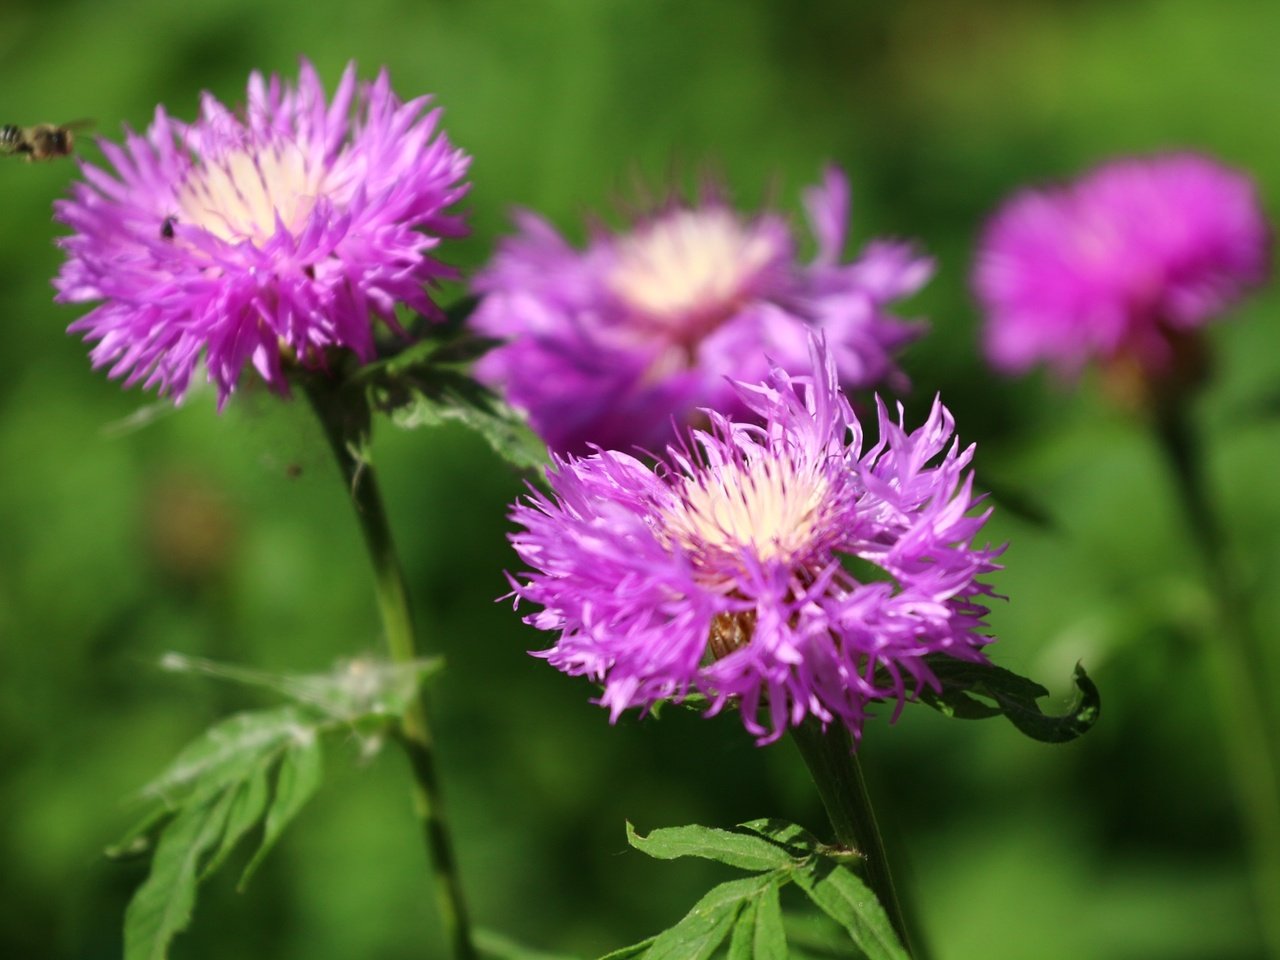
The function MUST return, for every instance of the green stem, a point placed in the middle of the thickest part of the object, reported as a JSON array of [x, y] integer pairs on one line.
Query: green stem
[[345, 419], [835, 770], [1235, 669]]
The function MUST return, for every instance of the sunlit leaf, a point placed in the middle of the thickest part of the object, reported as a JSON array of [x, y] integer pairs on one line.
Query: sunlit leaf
[[742, 849], [842, 896], [705, 927], [759, 934]]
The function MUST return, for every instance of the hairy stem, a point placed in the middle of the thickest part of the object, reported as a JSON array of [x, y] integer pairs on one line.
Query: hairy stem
[[345, 419]]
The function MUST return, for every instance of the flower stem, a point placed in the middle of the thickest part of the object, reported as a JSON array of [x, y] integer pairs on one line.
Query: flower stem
[[1251, 752], [345, 419], [835, 770]]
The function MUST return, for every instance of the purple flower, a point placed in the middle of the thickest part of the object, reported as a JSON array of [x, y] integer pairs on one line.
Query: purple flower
[[777, 565], [1119, 264], [268, 238], [612, 344]]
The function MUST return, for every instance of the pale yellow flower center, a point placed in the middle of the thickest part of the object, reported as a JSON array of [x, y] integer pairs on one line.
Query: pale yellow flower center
[[240, 196], [771, 507], [691, 262]]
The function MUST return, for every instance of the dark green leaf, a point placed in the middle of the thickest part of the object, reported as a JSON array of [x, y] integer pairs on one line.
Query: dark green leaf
[[743, 849], [758, 934], [299, 777], [1012, 695], [706, 926], [161, 907], [842, 896]]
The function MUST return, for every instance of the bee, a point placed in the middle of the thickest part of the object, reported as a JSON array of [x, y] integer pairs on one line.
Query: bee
[[44, 141]]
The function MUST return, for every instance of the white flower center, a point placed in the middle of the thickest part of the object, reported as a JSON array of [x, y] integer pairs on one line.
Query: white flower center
[[688, 265], [241, 195], [771, 507]]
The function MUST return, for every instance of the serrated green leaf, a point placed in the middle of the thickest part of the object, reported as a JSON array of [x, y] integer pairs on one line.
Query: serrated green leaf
[[226, 753], [248, 801], [797, 841], [426, 394], [1013, 696], [759, 934], [705, 927], [842, 896], [296, 783], [626, 953], [742, 849], [161, 907]]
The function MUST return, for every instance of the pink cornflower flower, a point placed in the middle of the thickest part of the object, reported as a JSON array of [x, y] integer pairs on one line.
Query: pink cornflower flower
[[1119, 266], [267, 238], [618, 343], [781, 565]]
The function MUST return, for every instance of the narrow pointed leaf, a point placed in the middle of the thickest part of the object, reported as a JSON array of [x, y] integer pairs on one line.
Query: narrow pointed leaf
[[741, 849], [248, 802], [161, 907], [428, 395], [759, 934], [627, 953], [797, 841], [842, 896], [299, 777], [225, 753], [705, 927]]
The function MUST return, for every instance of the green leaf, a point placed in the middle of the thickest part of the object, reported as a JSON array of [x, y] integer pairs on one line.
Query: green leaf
[[705, 927], [758, 934], [741, 848], [842, 896], [417, 392], [297, 782], [225, 754], [248, 802], [797, 841], [1012, 695], [161, 907], [635, 950]]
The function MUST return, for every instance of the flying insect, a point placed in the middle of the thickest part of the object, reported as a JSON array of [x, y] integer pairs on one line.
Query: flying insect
[[44, 141]]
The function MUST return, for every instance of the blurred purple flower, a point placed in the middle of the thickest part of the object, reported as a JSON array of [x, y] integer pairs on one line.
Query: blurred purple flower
[[1119, 264], [611, 344], [266, 238], [776, 565]]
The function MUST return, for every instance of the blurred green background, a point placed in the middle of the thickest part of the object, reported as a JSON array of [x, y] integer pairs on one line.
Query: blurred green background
[[229, 536]]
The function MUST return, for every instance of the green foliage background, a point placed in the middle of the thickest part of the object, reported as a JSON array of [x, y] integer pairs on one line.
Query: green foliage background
[[229, 536]]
